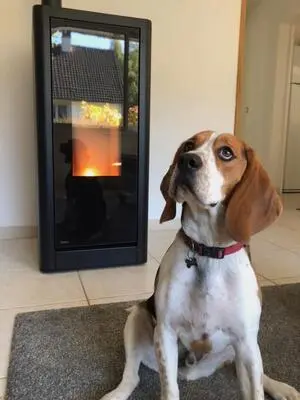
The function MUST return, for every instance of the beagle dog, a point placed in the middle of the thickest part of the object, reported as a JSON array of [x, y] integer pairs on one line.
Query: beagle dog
[[206, 299]]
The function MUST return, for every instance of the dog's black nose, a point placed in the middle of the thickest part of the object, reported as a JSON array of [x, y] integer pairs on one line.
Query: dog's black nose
[[189, 162]]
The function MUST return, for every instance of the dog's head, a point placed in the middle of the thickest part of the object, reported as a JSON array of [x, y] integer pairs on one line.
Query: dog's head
[[210, 169]]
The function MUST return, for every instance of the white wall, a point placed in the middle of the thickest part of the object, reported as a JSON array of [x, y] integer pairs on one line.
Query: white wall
[[194, 64], [262, 36]]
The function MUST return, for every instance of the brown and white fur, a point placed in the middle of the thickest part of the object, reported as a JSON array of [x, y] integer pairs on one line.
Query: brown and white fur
[[216, 319]]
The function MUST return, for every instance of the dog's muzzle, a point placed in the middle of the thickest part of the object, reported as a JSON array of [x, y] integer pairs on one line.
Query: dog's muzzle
[[188, 165], [189, 162]]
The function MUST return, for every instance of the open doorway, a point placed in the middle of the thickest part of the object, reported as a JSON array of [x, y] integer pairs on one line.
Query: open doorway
[[291, 175], [268, 91], [268, 118]]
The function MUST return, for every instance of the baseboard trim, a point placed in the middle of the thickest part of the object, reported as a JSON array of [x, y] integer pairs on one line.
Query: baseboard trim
[[18, 232], [26, 232]]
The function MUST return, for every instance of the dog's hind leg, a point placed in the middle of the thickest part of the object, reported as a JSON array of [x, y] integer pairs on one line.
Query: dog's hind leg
[[211, 362], [279, 390], [138, 341]]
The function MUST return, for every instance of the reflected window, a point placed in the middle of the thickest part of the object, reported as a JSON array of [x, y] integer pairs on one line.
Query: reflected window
[[95, 102]]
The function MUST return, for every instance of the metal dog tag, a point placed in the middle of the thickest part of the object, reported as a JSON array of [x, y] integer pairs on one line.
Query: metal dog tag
[[191, 262]]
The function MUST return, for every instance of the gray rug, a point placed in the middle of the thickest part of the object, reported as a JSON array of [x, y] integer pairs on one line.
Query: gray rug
[[78, 353]]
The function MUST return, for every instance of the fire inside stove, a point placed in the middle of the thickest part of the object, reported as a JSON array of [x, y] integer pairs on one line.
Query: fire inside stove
[[96, 152]]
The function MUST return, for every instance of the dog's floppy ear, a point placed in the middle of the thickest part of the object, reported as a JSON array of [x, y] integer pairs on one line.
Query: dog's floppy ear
[[254, 203], [169, 211]]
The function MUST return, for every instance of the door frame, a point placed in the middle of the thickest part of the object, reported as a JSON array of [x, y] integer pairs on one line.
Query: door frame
[[240, 69], [281, 91]]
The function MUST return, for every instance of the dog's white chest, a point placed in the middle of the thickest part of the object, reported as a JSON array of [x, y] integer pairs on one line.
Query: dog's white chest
[[204, 317], [217, 310]]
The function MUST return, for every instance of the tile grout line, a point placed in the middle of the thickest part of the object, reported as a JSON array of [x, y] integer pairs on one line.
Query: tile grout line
[[83, 288], [280, 281], [154, 258], [33, 306], [123, 298], [287, 281], [269, 280]]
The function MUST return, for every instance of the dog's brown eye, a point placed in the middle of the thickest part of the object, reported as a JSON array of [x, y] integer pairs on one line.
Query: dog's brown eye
[[225, 153], [189, 146]]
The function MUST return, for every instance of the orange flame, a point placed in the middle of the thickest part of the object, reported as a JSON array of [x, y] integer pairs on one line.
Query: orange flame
[[91, 172], [96, 152]]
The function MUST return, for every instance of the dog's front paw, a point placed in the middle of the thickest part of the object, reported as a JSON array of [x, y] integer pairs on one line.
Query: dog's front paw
[[186, 374], [108, 396], [282, 391], [113, 396]]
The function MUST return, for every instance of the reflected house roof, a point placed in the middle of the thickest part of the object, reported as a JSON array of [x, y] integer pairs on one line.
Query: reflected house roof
[[88, 74]]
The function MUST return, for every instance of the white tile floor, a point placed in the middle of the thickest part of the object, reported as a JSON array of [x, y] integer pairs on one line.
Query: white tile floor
[[276, 256]]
